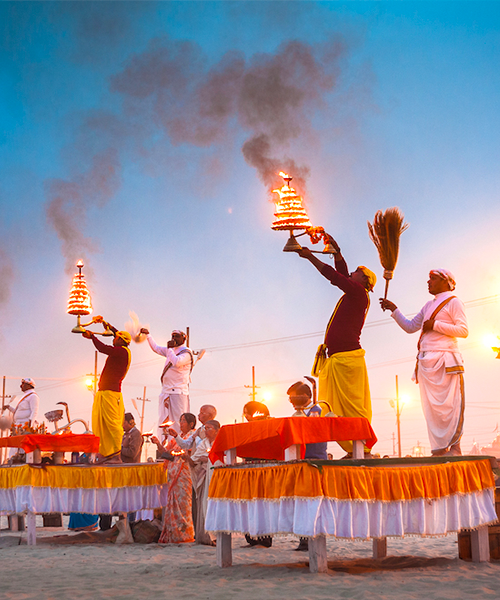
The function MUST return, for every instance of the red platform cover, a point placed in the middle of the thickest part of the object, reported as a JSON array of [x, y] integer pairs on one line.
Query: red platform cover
[[65, 442], [268, 439]]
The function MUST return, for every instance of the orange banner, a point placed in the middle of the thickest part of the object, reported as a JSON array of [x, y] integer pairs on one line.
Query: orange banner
[[83, 477], [386, 484]]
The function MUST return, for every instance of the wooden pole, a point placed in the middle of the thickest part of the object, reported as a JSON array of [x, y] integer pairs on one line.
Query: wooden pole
[[95, 374], [142, 412], [398, 419], [3, 407]]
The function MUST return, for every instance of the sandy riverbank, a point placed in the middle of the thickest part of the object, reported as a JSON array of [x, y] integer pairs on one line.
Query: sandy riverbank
[[415, 569]]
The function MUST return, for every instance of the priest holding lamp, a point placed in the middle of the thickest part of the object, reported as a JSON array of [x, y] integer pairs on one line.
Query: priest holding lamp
[[340, 361], [108, 410]]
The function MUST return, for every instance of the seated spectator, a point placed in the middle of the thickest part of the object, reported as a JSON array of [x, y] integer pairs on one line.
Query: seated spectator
[[132, 441]]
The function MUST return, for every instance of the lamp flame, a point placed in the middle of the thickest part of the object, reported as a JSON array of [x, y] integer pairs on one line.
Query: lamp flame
[[79, 302], [290, 214]]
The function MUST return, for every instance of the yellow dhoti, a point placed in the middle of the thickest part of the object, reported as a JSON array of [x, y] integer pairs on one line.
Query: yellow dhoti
[[343, 383], [108, 412]]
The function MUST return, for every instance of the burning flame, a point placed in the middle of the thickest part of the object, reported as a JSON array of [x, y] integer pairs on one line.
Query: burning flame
[[177, 452], [167, 424], [79, 302], [290, 214]]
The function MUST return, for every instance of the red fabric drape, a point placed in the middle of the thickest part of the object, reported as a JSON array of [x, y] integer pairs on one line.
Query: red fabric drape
[[267, 439]]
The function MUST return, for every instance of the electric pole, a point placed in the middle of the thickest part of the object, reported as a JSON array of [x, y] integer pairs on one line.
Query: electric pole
[[254, 387], [4, 396]]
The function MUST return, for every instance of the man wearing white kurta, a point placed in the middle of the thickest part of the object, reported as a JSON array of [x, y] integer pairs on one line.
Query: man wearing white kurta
[[26, 410], [439, 370], [175, 378]]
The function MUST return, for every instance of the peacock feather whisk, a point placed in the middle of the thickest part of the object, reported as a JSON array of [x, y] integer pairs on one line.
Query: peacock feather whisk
[[385, 232]]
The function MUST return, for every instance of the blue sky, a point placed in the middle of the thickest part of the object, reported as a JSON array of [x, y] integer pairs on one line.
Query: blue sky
[[131, 120]]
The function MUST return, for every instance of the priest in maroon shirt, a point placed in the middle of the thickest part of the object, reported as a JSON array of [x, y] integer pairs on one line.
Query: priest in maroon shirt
[[108, 409], [343, 378]]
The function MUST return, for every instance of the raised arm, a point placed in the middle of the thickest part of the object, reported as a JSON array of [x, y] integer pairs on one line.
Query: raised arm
[[161, 350]]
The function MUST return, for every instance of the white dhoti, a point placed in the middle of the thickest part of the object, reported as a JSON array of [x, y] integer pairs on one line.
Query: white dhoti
[[171, 406], [441, 382]]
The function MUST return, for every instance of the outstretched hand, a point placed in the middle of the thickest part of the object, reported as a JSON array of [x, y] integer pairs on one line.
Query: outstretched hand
[[329, 238], [304, 252], [144, 331], [387, 305]]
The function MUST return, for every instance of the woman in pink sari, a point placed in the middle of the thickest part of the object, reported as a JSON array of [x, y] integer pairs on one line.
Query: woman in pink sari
[[178, 523]]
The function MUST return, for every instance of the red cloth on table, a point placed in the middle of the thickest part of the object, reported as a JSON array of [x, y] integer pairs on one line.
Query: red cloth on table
[[66, 442], [268, 439]]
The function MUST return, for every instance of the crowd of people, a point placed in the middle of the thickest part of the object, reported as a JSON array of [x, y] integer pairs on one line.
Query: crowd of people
[[343, 391]]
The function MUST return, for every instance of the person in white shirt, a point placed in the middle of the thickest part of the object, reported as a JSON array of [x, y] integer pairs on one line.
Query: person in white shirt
[[201, 473], [207, 413], [26, 410], [175, 378], [439, 369]]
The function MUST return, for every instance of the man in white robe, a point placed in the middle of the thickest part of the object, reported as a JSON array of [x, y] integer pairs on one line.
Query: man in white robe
[[439, 370], [175, 378], [26, 410]]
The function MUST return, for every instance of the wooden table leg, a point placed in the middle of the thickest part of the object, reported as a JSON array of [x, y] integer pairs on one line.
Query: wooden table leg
[[224, 550], [379, 547], [358, 449], [317, 554], [480, 544], [230, 456], [31, 527], [292, 452]]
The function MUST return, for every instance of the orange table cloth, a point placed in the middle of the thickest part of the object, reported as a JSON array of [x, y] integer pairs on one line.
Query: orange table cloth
[[65, 442], [268, 439]]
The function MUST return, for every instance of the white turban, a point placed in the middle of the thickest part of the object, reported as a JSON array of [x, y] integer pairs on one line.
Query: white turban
[[446, 275]]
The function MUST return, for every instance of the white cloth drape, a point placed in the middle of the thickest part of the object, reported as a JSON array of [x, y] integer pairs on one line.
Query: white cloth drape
[[91, 501], [352, 520]]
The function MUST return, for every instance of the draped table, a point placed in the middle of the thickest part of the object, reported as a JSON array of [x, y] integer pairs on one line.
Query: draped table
[[64, 442], [315, 499], [86, 489], [285, 438]]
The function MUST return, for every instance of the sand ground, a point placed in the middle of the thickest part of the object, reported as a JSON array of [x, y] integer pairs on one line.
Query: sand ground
[[414, 569]]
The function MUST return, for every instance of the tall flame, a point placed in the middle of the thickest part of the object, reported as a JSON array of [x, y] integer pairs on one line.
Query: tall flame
[[79, 302], [290, 214]]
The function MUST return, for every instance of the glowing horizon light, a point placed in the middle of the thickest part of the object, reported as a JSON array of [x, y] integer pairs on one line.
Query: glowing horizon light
[[267, 396], [405, 399], [89, 383], [490, 340]]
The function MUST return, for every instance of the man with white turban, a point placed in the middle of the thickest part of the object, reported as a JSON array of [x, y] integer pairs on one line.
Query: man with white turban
[[439, 369], [175, 378], [26, 410], [343, 378]]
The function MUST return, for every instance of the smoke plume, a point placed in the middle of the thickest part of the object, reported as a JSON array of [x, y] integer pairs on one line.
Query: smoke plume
[[172, 95], [6, 276], [69, 202]]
